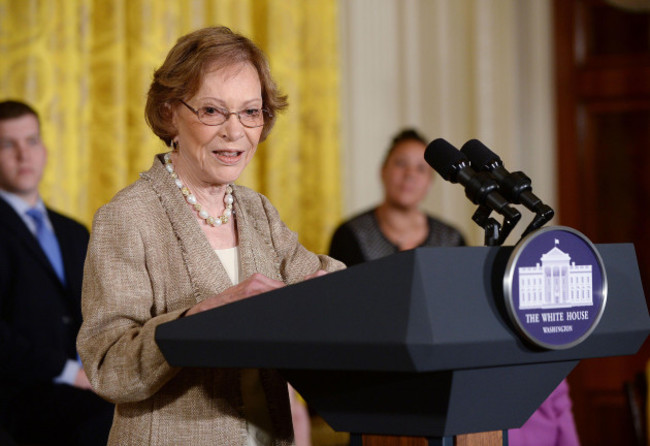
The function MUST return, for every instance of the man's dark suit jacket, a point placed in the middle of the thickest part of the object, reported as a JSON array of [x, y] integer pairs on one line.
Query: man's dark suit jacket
[[39, 316]]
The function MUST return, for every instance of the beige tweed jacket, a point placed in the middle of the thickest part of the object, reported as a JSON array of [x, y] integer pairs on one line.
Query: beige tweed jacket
[[148, 261]]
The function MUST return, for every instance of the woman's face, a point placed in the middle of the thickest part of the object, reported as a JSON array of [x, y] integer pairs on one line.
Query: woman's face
[[406, 175], [217, 155]]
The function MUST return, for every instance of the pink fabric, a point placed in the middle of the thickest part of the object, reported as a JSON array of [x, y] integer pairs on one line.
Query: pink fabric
[[550, 425]]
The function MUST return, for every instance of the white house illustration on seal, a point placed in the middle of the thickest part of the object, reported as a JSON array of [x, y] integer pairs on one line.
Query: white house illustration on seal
[[556, 283]]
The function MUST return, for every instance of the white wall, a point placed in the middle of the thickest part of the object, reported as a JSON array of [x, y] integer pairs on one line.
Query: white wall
[[456, 69]]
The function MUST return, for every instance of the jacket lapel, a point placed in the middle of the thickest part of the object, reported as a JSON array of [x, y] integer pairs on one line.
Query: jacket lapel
[[207, 274], [256, 253]]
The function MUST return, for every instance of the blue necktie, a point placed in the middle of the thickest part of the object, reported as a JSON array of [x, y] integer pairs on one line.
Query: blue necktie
[[48, 242]]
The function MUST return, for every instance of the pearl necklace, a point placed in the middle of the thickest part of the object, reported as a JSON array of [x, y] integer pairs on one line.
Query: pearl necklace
[[191, 199]]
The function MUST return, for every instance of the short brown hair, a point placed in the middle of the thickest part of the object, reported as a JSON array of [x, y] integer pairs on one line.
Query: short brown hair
[[181, 74], [11, 109]]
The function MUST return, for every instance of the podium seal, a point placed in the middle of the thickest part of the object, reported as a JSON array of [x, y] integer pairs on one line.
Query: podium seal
[[555, 287]]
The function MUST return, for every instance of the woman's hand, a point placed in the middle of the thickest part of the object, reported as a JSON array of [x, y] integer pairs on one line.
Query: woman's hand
[[254, 285]]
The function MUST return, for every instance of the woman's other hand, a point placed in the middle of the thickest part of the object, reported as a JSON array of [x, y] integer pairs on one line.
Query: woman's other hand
[[254, 285]]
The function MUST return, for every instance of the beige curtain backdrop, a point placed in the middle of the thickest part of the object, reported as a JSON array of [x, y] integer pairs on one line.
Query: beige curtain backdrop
[[86, 65], [456, 69]]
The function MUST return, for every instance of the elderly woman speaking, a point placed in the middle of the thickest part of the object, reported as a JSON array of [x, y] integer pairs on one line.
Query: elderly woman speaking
[[184, 239]]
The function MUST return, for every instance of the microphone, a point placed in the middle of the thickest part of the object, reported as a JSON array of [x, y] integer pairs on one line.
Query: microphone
[[515, 186], [480, 187]]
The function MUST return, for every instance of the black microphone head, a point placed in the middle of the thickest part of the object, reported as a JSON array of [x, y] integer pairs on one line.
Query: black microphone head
[[446, 159], [480, 156]]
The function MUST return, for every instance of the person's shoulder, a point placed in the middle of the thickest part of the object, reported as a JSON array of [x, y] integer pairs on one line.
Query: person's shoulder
[[443, 233], [436, 222], [360, 220], [136, 202], [7, 212], [133, 196], [142, 191], [71, 225]]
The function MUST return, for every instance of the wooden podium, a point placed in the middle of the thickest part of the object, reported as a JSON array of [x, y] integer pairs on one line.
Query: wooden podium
[[417, 344]]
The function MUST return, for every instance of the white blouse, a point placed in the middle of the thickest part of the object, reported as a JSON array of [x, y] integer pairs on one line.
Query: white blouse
[[230, 260], [257, 415]]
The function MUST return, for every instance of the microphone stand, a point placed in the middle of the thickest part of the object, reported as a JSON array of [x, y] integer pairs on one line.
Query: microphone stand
[[480, 188], [495, 233], [542, 215]]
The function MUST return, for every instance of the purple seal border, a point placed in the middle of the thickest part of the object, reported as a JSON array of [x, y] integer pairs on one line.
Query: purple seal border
[[564, 325]]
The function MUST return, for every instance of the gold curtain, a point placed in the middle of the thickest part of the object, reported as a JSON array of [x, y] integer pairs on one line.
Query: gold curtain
[[86, 65]]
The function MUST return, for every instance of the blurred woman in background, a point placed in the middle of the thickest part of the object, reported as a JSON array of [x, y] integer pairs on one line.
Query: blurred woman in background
[[398, 223]]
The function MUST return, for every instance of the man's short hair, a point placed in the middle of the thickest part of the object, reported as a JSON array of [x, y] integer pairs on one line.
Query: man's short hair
[[11, 109]]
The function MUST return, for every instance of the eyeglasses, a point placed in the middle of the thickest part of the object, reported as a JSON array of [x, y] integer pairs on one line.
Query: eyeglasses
[[210, 115]]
